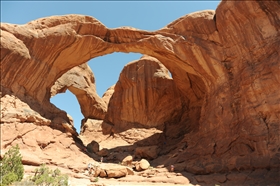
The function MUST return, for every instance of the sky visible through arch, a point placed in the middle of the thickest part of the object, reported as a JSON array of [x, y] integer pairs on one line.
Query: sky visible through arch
[[144, 15]]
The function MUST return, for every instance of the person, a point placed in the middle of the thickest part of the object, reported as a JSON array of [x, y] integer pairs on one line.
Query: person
[[101, 159], [112, 134], [85, 150], [89, 168], [172, 168]]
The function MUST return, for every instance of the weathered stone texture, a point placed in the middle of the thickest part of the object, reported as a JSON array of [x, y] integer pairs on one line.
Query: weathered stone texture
[[224, 62], [80, 81], [144, 96]]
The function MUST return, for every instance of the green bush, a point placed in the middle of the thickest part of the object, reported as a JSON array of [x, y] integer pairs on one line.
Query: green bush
[[11, 167], [24, 182], [96, 179], [45, 176]]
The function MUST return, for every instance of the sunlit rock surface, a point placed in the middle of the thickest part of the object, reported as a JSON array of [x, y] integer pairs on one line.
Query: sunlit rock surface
[[225, 62]]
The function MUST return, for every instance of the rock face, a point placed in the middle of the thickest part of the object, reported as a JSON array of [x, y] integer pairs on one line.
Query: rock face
[[225, 62], [91, 130], [15, 111], [149, 152], [80, 81], [144, 96], [108, 94], [40, 140]]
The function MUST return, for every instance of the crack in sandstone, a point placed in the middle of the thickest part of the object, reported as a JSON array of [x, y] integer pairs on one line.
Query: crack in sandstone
[[19, 136]]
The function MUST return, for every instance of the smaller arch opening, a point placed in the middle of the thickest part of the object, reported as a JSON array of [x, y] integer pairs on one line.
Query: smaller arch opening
[[69, 103]]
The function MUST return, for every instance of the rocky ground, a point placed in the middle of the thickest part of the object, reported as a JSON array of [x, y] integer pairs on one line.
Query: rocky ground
[[162, 177], [121, 161], [119, 170], [42, 144], [119, 149]]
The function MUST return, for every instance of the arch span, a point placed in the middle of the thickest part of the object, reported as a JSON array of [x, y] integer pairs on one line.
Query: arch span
[[75, 39]]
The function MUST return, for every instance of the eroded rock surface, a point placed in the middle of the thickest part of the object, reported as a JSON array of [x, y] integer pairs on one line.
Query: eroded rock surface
[[13, 110], [80, 81], [225, 62], [144, 96], [91, 130], [42, 144], [108, 94]]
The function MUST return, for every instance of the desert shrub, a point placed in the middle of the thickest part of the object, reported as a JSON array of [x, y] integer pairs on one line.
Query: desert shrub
[[96, 179], [24, 182], [11, 166], [47, 177]]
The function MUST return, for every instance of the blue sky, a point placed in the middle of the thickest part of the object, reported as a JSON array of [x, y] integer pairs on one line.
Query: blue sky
[[145, 15]]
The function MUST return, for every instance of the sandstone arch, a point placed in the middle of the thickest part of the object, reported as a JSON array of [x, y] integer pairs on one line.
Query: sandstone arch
[[228, 66], [76, 39], [81, 82]]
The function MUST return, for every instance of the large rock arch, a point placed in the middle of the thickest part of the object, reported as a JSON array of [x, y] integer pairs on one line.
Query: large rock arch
[[75, 39], [226, 62]]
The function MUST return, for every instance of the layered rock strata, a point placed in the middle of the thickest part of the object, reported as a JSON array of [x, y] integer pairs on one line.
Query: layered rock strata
[[144, 96], [225, 61]]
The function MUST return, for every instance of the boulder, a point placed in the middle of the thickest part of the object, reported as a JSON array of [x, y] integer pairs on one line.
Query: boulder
[[103, 152], [93, 147], [127, 160], [143, 164], [97, 171], [111, 170], [116, 172], [103, 173], [129, 171], [137, 167]]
